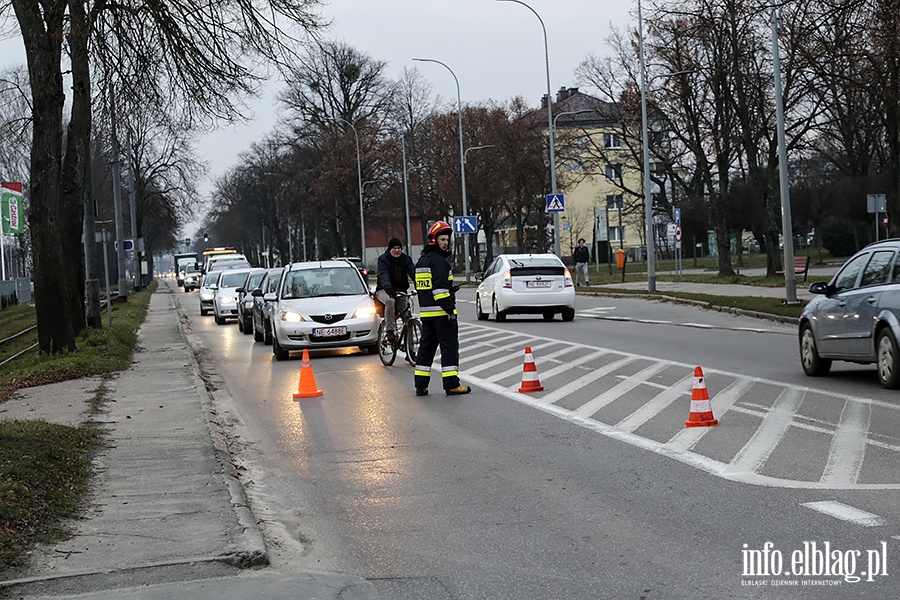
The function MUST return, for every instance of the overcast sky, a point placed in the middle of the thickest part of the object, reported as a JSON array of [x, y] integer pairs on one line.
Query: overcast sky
[[496, 50]]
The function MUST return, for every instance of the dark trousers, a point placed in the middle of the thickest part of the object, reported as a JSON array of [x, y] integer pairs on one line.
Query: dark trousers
[[438, 331]]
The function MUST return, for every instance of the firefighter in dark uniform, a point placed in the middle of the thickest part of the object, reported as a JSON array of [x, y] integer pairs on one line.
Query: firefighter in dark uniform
[[437, 311]]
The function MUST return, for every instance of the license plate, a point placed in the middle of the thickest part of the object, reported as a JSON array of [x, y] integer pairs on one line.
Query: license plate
[[329, 331], [537, 284]]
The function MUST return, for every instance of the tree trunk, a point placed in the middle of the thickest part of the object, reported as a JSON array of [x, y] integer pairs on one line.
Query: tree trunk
[[72, 182], [43, 52]]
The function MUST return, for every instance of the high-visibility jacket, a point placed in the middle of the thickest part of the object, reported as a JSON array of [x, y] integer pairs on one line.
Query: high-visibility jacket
[[434, 284]]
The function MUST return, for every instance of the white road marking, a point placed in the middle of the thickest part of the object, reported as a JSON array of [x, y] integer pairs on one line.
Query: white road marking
[[848, 445], [657, 404], [776, 420], [775, 424], [585, 380], [618, 390], [845, 512], [519, 368]]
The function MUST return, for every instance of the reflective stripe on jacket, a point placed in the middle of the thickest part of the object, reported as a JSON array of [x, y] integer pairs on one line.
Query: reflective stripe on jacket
[[434, 284]]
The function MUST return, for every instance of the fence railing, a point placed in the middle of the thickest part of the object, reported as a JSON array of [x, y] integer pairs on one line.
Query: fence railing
[[15, 291]]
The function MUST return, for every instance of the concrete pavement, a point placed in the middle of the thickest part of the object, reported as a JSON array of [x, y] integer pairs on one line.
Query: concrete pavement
[[168, 516]]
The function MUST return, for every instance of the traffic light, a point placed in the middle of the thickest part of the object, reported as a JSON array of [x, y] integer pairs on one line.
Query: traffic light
[[205, 237]]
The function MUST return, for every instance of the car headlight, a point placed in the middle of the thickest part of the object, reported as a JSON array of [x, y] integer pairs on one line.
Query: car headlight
[[364, 312], [227, 299], [291, 316], [206, 296]]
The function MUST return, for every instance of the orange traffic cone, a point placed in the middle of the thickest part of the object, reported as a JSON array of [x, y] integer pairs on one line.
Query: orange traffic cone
[[701, 410], [307, 386], [530, 381]]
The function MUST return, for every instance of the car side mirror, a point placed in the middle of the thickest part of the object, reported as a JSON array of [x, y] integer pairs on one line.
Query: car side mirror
[[270, 297], [213, 286], [819, 287], [239, 290], [256, 293], [479, 276]]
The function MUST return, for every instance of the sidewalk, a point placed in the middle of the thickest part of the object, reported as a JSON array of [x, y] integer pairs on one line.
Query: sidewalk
[[717, 289], [168, 517]]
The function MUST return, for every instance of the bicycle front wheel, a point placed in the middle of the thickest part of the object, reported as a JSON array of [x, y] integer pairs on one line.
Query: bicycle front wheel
[[386, 350], [413, 335]]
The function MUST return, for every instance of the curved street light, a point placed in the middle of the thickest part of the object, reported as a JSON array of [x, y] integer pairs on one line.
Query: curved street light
[[362, 226], [462, 155], [556, 248]]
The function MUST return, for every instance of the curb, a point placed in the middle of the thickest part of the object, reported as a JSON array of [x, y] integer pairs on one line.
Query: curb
[[256, 554]]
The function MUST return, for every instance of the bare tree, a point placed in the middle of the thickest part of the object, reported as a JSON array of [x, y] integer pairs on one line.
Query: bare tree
[[163, 53]]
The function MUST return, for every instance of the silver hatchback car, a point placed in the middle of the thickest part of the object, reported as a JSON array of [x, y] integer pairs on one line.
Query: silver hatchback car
[[855, 317]]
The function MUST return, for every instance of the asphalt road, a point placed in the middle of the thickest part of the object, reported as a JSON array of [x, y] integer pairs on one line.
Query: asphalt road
[[590, 489]]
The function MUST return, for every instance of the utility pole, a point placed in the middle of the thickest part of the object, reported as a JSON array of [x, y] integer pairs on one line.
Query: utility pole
[[117, 200]]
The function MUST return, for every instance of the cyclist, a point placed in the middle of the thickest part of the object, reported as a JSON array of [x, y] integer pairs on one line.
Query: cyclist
[[437, 310], [395, 269]]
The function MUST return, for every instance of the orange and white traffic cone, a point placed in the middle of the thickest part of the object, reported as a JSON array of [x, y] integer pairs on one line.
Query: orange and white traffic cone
[[306, 388], [530, 381], [701, 409]]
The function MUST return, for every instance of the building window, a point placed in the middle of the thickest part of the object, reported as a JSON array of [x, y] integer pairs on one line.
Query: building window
[[614, 172], [611, 140], [615, 202], [616, 234]]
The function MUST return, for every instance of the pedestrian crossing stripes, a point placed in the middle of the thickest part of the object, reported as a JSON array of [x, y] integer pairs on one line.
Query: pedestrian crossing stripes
[[771, 434]]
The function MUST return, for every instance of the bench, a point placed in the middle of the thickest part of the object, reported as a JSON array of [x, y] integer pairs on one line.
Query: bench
[[801, 267]]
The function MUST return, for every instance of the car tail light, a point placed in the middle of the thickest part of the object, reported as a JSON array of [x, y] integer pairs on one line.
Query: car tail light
[[507, 279], [568, 278]]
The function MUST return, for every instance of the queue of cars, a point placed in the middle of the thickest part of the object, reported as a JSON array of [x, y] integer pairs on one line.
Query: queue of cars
[[329, 304]]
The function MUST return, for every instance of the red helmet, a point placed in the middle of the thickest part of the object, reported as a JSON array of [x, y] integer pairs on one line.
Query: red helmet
[[436, 229]]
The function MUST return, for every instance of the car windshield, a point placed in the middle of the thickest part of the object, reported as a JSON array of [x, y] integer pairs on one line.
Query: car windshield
[[253, 281], [316, 283], [232, 280]]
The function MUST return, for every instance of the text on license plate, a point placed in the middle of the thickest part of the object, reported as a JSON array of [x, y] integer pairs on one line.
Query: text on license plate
[[537, 284], [329, 331]]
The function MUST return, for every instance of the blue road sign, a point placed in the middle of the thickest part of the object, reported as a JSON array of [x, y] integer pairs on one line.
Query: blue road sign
[[556, 203], [677, 214], [466, 224]]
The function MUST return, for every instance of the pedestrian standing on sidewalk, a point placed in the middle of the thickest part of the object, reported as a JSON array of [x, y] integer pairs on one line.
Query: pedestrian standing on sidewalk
[[582, 258], [437, 310]]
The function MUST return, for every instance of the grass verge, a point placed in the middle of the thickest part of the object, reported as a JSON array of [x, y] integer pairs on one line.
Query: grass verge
[[45, 468]]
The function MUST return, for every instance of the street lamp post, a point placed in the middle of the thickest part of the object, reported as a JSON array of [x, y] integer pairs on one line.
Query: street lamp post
[[462, 156], [556, 247], [648, 196], [790, 279], [362, 225]]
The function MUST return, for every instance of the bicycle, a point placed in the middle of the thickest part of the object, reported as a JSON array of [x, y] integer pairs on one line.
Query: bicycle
[[410, 332]]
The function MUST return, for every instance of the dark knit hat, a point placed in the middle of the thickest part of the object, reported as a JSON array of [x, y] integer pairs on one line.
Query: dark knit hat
[[394, 242]]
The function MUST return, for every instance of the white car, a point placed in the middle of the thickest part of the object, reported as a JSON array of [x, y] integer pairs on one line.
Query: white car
[[208, 286], [322, 305], [226, 297], [537, 284]]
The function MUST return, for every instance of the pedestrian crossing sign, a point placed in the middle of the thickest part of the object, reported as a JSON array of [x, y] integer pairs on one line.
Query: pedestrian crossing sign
[[555, 203]]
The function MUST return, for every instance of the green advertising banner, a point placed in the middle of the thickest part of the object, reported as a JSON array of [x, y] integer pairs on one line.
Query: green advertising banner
[[11, 203]]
